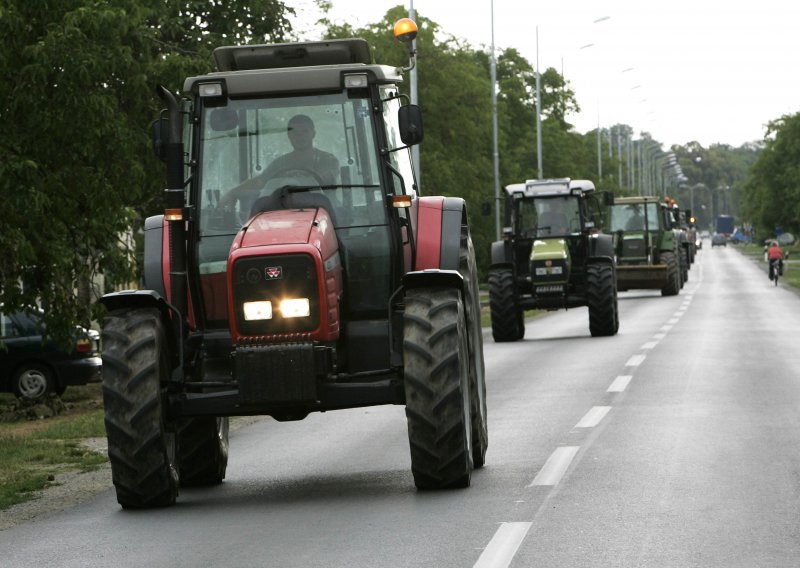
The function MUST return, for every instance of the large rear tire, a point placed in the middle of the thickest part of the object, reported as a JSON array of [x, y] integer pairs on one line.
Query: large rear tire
[[203, 445], [436, 382], [673, 284], [477, 371], [601, 298], [684, 262], [141, 442], [508, 320]]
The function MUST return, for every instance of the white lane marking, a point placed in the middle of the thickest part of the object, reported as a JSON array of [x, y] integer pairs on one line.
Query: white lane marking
[[635, 361], [680, 312], [666, 327], [593, 417], [649, 345], [556, 465], [659, 336], [673, 321], [620, 383], [503, 546]]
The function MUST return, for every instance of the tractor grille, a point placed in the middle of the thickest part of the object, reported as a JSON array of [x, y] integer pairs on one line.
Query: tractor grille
[[547, 271], [276, 373], [274, 279], [633, 248]]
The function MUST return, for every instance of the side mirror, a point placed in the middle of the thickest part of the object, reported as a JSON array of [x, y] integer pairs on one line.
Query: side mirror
[[160, 131], [409, 118], [486, 208], [608, 198]]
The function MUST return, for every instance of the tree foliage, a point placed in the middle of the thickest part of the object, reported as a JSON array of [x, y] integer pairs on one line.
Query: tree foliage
[[771, 195], [76, 102]]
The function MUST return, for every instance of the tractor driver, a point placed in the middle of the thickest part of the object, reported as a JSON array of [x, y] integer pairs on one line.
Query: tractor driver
[[636, 221], [303, 158], [553, 221]]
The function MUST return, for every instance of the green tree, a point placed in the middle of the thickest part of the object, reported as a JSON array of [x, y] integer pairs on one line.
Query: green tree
[[76, 103], [770, 194]]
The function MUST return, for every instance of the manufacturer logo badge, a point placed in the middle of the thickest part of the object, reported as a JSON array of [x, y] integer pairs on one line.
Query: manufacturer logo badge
[[274, 272]]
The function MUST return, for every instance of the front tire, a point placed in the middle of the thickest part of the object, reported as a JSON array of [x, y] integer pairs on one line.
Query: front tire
[[673, 284], [141, 442], [508, 320], [602, 300], [477, 371], [435, 354]]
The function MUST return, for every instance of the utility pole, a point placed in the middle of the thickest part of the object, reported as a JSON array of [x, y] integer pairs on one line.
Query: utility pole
[[495, 151], [538, 111], [414, 100]]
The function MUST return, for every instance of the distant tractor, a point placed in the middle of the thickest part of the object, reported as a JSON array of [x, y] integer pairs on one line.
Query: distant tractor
[[553, 256], [287, 277], [647, 248]]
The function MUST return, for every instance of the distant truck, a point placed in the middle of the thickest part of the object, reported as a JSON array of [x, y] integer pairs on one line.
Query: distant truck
[[725, 225]]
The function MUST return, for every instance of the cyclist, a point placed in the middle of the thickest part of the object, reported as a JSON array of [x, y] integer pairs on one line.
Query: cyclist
[[775, 259]]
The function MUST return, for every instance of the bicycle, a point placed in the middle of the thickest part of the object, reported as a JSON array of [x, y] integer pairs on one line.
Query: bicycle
[[775, 269]]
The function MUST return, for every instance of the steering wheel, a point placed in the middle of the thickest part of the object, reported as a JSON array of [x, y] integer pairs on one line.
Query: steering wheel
[[285, 172], [231, 217]]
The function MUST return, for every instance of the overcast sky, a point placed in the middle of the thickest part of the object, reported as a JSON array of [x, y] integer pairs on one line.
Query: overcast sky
[[714, 72]]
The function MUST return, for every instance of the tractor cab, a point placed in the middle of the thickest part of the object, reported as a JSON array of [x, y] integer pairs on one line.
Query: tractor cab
[[290, 148]]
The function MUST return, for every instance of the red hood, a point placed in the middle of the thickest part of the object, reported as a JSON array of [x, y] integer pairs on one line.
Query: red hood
[[286, 226]]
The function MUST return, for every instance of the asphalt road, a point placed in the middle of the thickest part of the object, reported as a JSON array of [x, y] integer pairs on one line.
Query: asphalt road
[[674, 443]]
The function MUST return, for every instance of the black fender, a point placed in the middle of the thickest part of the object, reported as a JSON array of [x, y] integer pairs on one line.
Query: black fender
[[433, 277], [502, 254], [601, 244], [454, 216], [602, 260], [143, 299], [153, 254]]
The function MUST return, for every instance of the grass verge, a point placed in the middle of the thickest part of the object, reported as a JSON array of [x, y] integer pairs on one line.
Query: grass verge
[[35, 451]]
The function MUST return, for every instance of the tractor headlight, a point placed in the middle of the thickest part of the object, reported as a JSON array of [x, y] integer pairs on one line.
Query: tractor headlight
[[261, 310], [295, 308]]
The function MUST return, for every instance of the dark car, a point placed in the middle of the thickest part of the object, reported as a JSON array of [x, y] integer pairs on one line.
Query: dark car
[[31, 367], [719, 241]]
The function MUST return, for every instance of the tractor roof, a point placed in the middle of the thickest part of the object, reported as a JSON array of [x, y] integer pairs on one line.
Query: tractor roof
[[281, 55], [551, 187], [248, 70], [637, 199]]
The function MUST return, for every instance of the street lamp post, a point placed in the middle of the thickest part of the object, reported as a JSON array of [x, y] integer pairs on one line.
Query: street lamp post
[[414, 99], [539, 165], [495, 150]]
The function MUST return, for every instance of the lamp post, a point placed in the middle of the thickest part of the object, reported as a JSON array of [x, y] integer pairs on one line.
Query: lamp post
[[495, 150], [539, 165], [414, 100]]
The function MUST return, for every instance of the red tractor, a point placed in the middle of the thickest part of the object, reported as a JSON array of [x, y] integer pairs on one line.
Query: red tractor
[[296, 269]]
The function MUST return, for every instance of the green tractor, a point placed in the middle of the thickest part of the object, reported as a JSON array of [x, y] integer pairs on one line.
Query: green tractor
[[553, 256], [647, 245]]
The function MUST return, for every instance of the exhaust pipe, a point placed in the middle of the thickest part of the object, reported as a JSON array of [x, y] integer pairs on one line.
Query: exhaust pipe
[[175, 203]]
